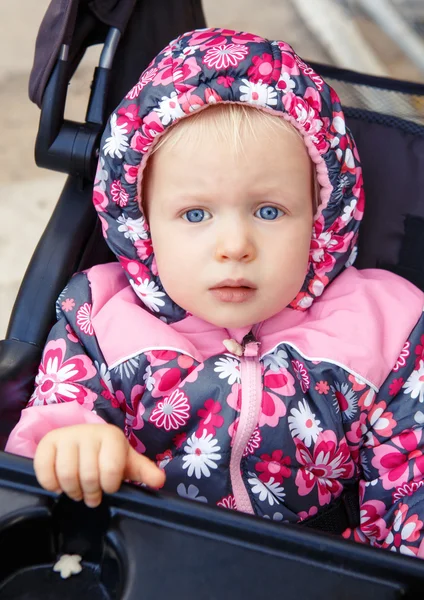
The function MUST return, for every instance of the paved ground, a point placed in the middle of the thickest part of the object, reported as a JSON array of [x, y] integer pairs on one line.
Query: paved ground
[[28, 194]]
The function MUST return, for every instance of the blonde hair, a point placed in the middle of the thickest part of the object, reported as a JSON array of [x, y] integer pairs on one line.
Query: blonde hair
[[227, 121]]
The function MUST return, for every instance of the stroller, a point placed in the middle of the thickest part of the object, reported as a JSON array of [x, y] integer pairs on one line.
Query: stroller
[[139, 543]]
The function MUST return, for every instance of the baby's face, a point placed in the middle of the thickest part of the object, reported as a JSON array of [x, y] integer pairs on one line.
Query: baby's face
[[221, 218]]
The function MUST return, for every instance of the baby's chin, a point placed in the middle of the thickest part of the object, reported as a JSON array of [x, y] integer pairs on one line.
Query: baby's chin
[[234, 318]]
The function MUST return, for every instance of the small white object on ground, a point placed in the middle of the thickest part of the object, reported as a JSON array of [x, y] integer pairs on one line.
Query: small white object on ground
[[67, 565]]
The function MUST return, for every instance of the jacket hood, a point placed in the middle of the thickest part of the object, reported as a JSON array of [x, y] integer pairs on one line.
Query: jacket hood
[[219, 65]]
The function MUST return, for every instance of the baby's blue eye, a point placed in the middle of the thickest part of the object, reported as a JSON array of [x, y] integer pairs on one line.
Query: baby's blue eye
[[269, 213], [196, 215]]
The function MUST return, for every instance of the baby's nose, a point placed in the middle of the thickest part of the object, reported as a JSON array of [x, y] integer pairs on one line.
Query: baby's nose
[[236, 245]]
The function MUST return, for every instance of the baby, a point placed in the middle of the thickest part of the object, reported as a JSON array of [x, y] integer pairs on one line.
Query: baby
[[233, 355]]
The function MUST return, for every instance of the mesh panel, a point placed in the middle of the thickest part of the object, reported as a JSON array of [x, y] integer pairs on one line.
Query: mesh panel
[[379, 100]]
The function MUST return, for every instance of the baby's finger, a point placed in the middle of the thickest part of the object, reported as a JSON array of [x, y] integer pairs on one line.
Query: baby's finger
[[112, 457], [139, 468], [45, 466], [89, 476], [67, 464]]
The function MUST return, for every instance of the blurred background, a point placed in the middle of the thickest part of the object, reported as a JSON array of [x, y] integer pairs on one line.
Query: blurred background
[[381, 37]]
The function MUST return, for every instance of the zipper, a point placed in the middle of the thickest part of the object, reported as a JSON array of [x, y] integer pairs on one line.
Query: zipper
[[251, 399]]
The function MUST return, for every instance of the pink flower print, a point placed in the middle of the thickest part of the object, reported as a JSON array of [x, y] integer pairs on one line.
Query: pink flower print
[[163, 459], [396, 386], [167, 66], [234, 397], [107, 394], [179, 439], [119, 195], [322, 387], [131, 173], [329, 462], [405, 531], [373, 524], [193, 374], [254, 443], [172, 412], [419, 351], [380, 421], [288, 62], [68, 304], [228, 502], [274, 466], [59, 380], [264, 69], [324, 244], [356, 436], [165, 380], [158, 358], [225, 80], [128, 117], [408, 489], [71, 334], [308, 118], [185, 362], [210, 419], [100, 200], [211, 96], [144, 137], [188, 69], [393, 460], [306, 514], [273, 408], [403, 357], [146, 78], [357, 384], [84, 319], [302, 375], [143, 248], [205, 39], [225, 55], [313, 98]]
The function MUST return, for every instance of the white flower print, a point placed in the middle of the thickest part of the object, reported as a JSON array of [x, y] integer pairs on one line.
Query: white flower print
[[275, 517], [127, 368], [133, 229], [352, 257], [258, 93], [303, 424], [344, 399], [201, 455], [149, 380], [414, 385], [169, 109], [228, 368], [191, 493], [285, 83], [104, 374], [149, 293], [101, 175], [276, 361], [117, 143], [270, 490], [348, 210]]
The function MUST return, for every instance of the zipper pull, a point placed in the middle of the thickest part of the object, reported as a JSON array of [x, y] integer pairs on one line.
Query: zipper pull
[[250, 345]]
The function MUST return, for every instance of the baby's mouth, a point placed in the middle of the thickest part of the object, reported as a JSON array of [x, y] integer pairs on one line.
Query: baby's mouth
[[233, 293]]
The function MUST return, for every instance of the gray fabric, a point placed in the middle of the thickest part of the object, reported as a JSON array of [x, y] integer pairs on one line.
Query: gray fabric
[[56, 29], [58, 26]]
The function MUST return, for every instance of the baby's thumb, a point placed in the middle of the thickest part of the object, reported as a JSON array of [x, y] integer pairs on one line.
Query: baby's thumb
[[141, 469]]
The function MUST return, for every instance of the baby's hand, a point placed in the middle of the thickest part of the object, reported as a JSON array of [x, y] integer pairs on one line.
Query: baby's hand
[[83, 460]]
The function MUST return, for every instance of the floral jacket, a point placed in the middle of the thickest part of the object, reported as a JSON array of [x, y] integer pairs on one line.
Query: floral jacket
[[325, 393]]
